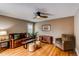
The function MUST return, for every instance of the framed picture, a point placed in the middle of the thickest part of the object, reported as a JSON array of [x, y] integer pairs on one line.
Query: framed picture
[[46, 27]]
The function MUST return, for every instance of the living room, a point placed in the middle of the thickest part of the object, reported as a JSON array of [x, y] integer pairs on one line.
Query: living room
[[30, 28]]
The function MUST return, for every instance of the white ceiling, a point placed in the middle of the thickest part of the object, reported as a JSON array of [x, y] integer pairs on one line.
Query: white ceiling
[[26, 11]]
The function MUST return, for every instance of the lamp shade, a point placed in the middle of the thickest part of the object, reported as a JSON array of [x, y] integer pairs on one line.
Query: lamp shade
[[3, 32]]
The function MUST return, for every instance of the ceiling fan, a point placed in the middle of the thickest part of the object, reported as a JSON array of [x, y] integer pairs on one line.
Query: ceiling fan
[[40, 14]]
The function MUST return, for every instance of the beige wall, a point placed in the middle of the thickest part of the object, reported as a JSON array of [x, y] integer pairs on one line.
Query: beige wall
[[12, 25], [76, 30], [58, 27]]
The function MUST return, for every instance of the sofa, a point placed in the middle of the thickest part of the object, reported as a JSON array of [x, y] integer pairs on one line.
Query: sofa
[[66, 42], [16, 39]]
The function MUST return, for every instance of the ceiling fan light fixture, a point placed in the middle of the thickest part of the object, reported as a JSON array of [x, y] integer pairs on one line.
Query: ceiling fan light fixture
[[38, 17]]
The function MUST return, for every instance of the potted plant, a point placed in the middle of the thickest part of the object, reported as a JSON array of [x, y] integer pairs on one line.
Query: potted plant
[[33, 34]]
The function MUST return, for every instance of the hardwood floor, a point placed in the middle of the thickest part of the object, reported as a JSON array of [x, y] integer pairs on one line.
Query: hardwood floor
[[45, 50]]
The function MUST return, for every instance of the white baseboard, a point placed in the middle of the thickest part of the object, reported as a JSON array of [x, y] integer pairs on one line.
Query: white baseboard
[[77, 52]]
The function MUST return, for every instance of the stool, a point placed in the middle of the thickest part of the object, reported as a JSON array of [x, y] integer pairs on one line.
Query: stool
[[31, 47], [38, 44]]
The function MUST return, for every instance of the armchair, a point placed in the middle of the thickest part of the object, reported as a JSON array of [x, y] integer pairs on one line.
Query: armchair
[[67, 42]]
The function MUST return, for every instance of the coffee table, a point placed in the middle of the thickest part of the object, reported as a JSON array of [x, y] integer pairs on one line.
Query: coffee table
[[27, 42]]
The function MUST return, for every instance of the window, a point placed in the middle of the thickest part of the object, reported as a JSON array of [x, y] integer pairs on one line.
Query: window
[[30, 27]]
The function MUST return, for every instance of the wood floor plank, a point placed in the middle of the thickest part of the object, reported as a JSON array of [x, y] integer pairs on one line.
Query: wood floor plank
[[45, 50]]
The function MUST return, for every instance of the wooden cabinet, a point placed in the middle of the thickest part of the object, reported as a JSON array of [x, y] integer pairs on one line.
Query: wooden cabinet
[[46, 39]]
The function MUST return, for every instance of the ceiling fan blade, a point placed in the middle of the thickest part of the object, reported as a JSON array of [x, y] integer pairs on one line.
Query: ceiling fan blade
[[45, 13], [44, 16]]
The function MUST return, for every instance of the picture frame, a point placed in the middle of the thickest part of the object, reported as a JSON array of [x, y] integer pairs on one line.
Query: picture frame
[[46, 27]]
